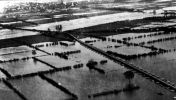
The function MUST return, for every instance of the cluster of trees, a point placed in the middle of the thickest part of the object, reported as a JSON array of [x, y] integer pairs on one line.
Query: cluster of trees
[[109, 46], [78, 66], [103, 61], [154, 41], [15, 60], [52, 44], [91, 64], [146, 35], [129, 75], [160, 33], [115, 46], [102, 39], [161, 40], [61, 55], [90, 41], [119, 41], [64, 55], [69, 67], [135, 56], [38, 46], [71, 52], [60, 69], [114, 40]]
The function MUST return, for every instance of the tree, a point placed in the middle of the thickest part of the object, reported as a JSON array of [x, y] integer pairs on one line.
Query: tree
[[129, 75]]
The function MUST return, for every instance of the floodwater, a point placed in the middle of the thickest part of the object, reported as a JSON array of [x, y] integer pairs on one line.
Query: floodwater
[[85, 82]]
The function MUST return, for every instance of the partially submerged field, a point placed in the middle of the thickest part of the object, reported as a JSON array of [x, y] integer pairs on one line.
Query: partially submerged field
[[71, 72], [40, 67], [151, 51]]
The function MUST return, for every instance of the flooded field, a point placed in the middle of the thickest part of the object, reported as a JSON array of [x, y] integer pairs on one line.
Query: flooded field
[[71, 73], [82, 64], [153, 51]]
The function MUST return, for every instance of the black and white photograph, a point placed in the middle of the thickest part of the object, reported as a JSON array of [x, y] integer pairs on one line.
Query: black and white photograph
[[87, 49]]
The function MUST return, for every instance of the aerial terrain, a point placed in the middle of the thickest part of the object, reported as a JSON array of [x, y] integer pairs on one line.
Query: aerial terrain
[[88, 50]]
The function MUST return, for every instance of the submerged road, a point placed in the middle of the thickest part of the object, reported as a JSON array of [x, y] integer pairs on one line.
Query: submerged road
[[158, 80]]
